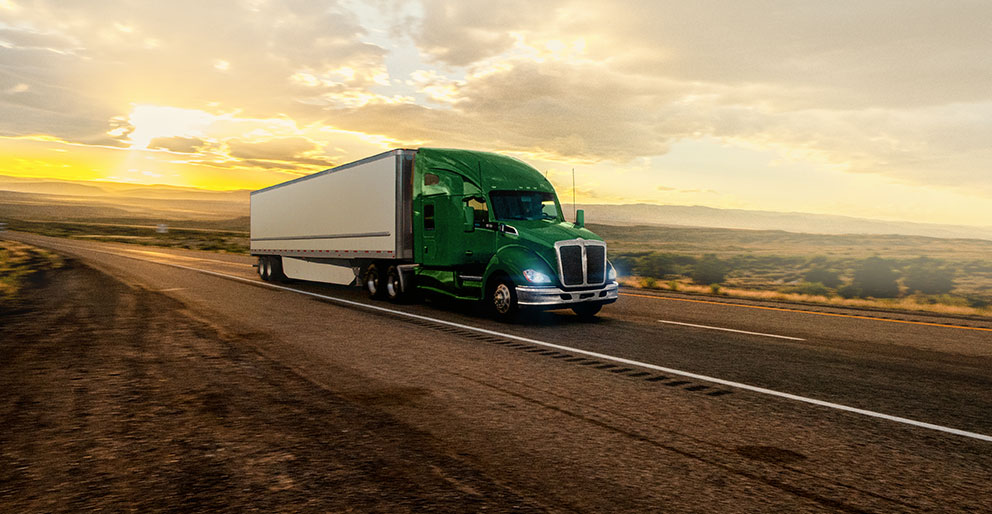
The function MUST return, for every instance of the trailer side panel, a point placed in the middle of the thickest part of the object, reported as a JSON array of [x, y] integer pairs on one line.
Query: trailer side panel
[[347, 212]]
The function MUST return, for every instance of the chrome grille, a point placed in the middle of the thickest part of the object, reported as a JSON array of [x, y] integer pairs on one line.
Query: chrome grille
[[581, 262], [595, 264], [570, 258]]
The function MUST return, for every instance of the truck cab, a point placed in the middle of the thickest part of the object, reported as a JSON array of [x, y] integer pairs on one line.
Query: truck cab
[[490, 227]]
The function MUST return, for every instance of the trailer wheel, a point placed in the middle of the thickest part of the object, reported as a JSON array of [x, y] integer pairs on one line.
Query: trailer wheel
[[372, 280], [502, 299], [275, 269], [393, 286], [264, 268], [587, 311]]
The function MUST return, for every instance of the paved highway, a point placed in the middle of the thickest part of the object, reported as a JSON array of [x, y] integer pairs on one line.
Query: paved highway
[[666, 402]]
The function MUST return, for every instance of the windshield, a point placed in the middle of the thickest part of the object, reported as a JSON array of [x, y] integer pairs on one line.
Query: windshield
[[524, 205]]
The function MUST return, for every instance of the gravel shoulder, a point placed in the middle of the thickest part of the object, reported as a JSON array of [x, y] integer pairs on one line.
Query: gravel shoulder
[[116, 398]]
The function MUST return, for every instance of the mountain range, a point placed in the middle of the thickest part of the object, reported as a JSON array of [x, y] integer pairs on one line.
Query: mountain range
[[700, 216], [64, 199]]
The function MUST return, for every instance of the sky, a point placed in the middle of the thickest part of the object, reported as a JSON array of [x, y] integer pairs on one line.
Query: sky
[[878, 109]]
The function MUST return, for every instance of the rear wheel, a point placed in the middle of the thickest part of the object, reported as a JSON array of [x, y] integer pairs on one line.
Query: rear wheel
[[587, 311], [264, 267], [393, 286], [502, 300], [373, 281], [275, 269]]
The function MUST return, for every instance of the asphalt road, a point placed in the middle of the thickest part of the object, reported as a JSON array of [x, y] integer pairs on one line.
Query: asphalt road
[[688, 403]]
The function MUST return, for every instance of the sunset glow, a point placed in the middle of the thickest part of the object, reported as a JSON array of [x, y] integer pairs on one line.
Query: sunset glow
[[876, 110]]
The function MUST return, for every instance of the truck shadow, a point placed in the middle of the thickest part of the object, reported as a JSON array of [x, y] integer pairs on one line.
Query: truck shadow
[[536, 318]]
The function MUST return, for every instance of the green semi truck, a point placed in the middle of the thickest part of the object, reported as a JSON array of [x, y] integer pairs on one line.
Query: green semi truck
[[461, 224]]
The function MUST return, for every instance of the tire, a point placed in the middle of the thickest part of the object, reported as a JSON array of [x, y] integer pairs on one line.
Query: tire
[[275, 269], [265, 268], [502, 300], [587, 311], [372, 281], [393, 286]]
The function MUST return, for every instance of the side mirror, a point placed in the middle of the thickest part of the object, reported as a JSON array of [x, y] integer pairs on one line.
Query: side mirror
[[580, 218], [469, 218]]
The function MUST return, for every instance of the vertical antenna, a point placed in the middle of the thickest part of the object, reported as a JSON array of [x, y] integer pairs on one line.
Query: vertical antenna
[[573, 194]]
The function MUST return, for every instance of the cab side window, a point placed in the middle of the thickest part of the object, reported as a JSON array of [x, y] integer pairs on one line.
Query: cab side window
[[480, 209]]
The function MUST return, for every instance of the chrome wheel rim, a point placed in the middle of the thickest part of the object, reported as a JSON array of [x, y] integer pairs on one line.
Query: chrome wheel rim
[[372, 283], [501, 299]]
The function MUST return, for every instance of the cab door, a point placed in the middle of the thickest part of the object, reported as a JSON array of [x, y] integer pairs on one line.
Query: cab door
[[438, 219], [479, 245]]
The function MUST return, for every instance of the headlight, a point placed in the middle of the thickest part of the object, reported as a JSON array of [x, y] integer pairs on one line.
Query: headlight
[[611, 275], [536, 277]]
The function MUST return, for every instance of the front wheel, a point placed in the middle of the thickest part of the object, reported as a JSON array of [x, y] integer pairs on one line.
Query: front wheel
[[503, 300], [587, 311]]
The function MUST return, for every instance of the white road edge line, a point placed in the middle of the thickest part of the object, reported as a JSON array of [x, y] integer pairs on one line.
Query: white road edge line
[[728, 383], [731, 330]]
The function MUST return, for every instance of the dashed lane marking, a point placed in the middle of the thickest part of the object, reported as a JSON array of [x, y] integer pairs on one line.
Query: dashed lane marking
[[730, 330], [817, 313]]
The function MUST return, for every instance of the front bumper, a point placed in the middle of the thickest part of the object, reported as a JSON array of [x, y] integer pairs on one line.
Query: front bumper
[[552, 297]]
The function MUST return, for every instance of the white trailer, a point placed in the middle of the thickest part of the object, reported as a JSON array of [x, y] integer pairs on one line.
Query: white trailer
[[325, 226]]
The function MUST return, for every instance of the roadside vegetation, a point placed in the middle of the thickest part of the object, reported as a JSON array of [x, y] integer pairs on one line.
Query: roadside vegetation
[[19, 263], [948, 276], [187, 235], [890, 272]]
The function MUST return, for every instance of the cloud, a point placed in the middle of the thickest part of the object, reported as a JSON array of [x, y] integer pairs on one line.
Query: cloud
[[87, 63], [885, 87], [283, 153], [888, 87], [666, 189], [178, 144]]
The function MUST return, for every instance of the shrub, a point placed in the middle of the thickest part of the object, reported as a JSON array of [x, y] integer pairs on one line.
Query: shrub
[[874, 277], [715, 288], [978, 302], [650, 282], [813, 289], [625, 265], [849, 291], [657, 265], [928, 277], [709, 270], [824, 276]]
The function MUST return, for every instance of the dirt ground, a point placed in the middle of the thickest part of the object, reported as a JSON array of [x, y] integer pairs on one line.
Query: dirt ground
[[116, 398]]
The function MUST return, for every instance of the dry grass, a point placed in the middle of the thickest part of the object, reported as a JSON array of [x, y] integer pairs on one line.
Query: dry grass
[[912, 304], [18, 262], [193, 238]]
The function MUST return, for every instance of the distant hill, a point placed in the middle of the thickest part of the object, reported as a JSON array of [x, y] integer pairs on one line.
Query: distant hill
[[698, 216], [118, 189], [55, 188], [62, 199]]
